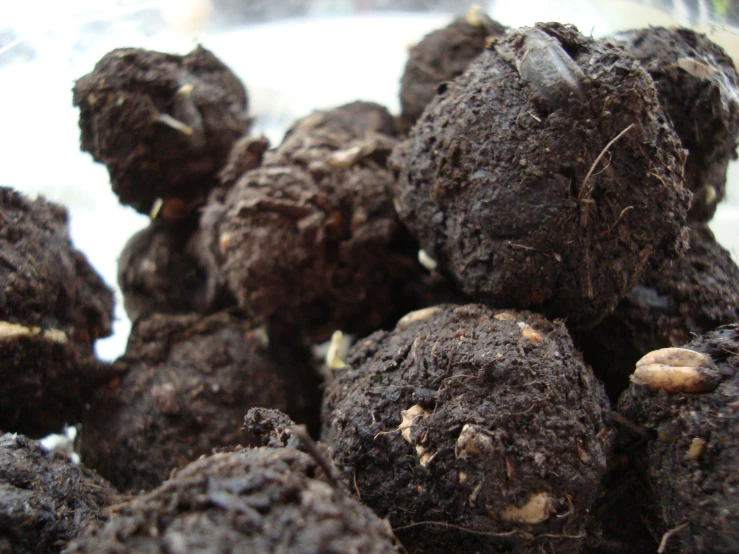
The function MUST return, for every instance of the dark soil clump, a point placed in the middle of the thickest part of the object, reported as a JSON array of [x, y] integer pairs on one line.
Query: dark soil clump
[[263, 500], [472, 430], [53, 306], [546, 176], [45, 500], [162, 124], [688, 297], [698, 86], [441, 56], [691, 455], [158, 271], [188, 382], [310, 238]]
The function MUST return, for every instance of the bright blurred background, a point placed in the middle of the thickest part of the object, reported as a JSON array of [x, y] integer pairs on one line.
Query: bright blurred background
[[293, 57]]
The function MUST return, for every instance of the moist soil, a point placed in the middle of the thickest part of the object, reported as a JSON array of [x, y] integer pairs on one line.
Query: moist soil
[[53, 306], [697, 84], [310, 238], [45, 500], [162, 124], [550, 186], [442, 56], [688, 297], [188, 382], [690, 455], [158, 271], [265, 500], [472, 430]]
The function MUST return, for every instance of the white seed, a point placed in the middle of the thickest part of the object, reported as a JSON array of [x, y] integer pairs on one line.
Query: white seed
[[671, 379], [474, 16], [175, 124], [697, 69], [418, 315], [409, 418], [678, 357], [539, 507], [427, 261], [696, 449], [10, 331]]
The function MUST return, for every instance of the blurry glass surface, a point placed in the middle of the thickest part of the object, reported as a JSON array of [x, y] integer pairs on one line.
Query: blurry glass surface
[[294, 56]]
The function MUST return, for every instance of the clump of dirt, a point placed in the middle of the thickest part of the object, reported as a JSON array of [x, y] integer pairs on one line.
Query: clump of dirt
[[683, 402], [698, 86], [689, 297], [158, 271], [267, 500], [188, 381], [546, 176], [162, 124], [45, 500], [441, 56], [310, 238], [472, 430], [53, 306]]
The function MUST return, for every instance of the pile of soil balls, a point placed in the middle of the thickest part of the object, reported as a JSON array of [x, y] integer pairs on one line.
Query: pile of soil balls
[[501, 311]]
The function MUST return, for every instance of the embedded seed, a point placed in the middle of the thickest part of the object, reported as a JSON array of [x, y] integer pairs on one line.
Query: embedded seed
[[333, 356], [678, 357], [696, 449], [418, 315], [409, 418], [175, 124], [427, 261], [674, 380], [537, 509]]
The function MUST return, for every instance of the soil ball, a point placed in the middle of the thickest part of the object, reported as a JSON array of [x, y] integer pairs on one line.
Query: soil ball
[[310, 238], [472, 430], [45, 500], [53, 306], [698, 86], [163, 125], [441, 56], [188, 382], [688, 297], [547, 175], [685, 401], [158, 271], [266, 500]]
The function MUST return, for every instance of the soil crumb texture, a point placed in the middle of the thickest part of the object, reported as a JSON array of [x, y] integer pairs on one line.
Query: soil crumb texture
[[472, 430], [546, 176], [45, 500], [698, 86], [158, 270], [188, 381], [53, 306], [684, 400], [441, 56], [263, 500], [162, 124], [670, 306], [310, 238]]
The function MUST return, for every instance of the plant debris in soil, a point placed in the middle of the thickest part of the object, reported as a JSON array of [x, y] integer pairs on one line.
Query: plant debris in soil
[[310, 238], [684, 400], [45, 500], [547, 176], [162, 124], [698, 86], [188, 381], [265, 500], [442, 56], [472, 430], [53, 306], [689, 297]]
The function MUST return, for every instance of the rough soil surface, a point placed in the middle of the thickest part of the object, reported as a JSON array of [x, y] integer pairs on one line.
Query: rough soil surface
[[45, 500], [472, 430], [688, 297], [442, 56], [550, 186], [310, 238], [53, 306], [158, 271], [698, 86], [188, 382], [691, 455], [162, 124], [263, 500]]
